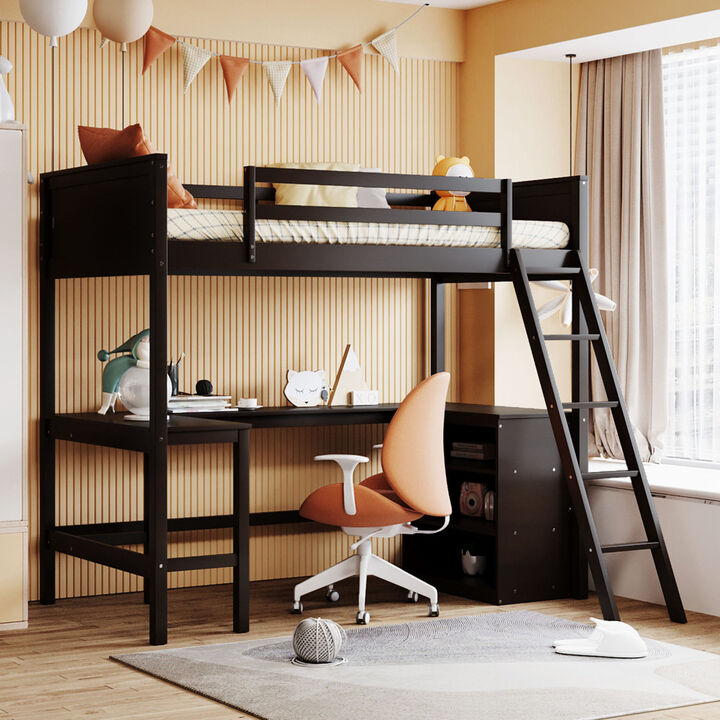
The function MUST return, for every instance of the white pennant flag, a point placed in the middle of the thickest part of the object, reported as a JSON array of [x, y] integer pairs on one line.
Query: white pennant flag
[[386, 45], [315, 70], [194, 60], [277, 72]]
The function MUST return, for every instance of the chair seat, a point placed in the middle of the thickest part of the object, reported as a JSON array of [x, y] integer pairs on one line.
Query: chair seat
[[376, 504]]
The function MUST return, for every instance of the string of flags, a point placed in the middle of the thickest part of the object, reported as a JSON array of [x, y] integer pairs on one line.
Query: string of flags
[[195, 58]]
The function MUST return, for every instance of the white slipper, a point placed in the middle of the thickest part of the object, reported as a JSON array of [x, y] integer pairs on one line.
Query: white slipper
[[610, 639]]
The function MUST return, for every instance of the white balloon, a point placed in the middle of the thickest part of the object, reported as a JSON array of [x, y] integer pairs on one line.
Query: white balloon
[[53, 18], [123, 21]]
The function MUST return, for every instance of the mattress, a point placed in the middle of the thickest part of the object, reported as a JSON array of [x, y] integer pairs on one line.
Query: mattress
[[227, 226]]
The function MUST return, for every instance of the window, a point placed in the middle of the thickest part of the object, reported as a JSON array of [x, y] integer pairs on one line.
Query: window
[[691, 82]]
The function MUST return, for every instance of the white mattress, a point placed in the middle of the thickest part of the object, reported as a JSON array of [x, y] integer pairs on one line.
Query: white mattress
[[227, 226]]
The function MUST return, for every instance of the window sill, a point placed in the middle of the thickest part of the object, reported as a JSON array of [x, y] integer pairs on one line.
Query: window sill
[[666, 480]]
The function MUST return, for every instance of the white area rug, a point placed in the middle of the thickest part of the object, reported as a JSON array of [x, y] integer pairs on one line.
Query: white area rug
[[496, 666]]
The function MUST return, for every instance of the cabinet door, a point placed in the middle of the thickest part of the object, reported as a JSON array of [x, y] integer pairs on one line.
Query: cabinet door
[[12, 188]]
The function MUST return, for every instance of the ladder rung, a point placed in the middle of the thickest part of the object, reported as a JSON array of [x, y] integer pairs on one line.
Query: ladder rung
[[592, 404], [602, 474], [552, 273], [574, 338], [624, 547]]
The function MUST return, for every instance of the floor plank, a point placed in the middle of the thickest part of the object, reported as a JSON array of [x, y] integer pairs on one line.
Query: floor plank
[[59, 667]]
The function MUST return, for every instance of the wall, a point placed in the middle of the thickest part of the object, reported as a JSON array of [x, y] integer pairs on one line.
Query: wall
[[242, 333], [492, 30], [514, 123], [436, 34]]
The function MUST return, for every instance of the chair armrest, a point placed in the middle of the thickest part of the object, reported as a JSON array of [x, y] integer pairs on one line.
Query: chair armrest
[[347, 464]]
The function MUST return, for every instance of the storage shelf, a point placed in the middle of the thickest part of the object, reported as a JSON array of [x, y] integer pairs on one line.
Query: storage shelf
[[454, 582], [477, 467], [474, 525]]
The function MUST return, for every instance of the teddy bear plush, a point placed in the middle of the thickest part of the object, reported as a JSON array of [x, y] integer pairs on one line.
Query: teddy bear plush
[[452, 167]]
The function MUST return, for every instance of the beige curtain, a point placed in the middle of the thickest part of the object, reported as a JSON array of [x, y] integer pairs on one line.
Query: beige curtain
[[620, 146]]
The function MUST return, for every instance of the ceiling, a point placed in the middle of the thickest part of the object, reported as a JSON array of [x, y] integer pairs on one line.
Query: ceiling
[[456, 4], [690, 28]]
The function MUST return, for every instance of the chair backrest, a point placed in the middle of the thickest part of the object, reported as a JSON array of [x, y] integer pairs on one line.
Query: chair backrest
[[413, 456]]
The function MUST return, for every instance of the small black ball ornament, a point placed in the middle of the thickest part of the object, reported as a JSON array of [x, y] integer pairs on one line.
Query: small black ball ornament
[[203, 387]]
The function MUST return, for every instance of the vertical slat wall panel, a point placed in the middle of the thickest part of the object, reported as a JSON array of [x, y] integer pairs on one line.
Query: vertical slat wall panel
[[242, 333]]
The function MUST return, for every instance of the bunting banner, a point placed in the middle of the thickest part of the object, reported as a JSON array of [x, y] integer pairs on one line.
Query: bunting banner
[[315, 70], [277, 72], [156, 43], [352, 61], [386, 45], [233, 69], [194, 60]]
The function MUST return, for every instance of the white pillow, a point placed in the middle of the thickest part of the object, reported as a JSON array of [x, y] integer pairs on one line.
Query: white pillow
[[372, 197], [316, 195]]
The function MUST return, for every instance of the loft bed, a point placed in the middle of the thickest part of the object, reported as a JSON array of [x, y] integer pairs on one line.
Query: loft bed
[[112, 219]]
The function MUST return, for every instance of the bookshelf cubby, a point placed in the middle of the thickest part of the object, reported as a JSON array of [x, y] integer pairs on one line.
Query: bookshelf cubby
[[527, 543]]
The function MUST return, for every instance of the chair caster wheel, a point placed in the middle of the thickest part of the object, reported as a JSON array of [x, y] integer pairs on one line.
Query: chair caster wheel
[[433, 610], [296, 609], [363, 618], [412, 597], [332, 595]]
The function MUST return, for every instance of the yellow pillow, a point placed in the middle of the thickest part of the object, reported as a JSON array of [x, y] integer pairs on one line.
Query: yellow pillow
[[318, 195]]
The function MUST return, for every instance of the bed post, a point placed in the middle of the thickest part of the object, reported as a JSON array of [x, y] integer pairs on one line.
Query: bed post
[[437, 326], [506, 210], [249, 203], [156, 457], [580, 364], [47, 398]]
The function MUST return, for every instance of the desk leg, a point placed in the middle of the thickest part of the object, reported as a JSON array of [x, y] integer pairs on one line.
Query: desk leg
[[156, 548], [147, 503], [241, 532]]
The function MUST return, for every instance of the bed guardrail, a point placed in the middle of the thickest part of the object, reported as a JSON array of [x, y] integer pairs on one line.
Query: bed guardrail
[[498, 195]]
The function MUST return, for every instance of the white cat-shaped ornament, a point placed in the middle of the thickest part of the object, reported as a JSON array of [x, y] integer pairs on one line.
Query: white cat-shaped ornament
[[306, 388]]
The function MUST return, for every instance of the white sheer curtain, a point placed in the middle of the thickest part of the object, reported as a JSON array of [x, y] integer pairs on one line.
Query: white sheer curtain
[[691, 89]]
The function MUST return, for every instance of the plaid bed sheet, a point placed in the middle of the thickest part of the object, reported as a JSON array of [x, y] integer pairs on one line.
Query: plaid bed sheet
[[227, 226]]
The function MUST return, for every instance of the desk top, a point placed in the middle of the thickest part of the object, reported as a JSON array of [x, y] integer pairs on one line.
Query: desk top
[[287, 416], [112, 430]]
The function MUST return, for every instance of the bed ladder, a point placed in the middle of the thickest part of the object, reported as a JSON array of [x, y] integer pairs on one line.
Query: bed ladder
[[578, 274]]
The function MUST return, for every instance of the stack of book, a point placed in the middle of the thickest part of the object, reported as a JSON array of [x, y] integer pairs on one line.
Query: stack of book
[[472, 451], [199, 403]]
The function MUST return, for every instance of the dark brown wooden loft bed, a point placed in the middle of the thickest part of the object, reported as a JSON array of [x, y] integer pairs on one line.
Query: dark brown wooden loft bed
[[111, 219]]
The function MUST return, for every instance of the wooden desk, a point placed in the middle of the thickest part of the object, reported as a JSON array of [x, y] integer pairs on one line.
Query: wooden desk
[[99, 542]]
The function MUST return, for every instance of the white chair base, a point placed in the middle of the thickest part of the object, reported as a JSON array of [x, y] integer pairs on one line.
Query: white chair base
[[365, 563]]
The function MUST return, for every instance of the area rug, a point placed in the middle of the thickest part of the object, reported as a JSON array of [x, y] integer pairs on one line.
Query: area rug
[[495, 666]]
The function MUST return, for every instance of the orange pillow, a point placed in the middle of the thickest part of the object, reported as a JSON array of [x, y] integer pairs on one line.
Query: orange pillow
[[107, 145]]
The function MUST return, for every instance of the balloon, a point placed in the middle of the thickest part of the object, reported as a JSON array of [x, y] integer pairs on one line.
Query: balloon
[[54, 19], [123, 21]]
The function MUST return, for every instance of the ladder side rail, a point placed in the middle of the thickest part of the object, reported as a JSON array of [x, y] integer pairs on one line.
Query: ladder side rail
[[630, 450], [571, 468]]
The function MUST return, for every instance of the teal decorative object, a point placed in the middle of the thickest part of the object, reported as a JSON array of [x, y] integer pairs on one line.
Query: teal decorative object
[[128, 377]]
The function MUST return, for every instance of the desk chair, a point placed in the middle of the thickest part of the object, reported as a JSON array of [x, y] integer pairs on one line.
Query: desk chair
[[412, 484]]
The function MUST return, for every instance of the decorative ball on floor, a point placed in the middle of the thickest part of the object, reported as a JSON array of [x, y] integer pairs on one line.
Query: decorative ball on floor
[[317, 642]]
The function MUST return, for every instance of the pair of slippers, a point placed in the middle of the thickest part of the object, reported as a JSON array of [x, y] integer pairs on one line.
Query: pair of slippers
[[610, 638]]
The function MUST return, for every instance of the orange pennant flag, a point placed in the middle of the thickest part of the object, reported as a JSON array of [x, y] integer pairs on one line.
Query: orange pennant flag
[[352, 61], [233, 69], [156, 43]]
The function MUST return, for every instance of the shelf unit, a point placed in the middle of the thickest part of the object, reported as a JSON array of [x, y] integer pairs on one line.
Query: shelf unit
[[528, 543]]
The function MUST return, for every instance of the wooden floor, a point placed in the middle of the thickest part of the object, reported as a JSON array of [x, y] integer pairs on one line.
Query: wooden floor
[[59, 668]]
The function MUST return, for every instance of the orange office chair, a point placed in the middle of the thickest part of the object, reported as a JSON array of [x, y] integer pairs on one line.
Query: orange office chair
[[412, 484]]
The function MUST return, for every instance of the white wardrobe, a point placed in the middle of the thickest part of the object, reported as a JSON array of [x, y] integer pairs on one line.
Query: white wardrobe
[[13, 377]]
